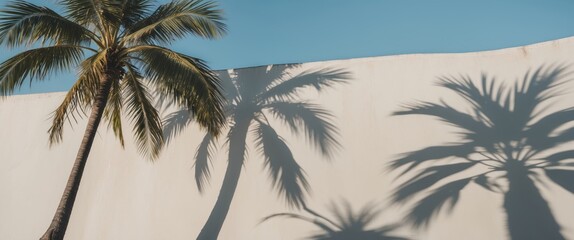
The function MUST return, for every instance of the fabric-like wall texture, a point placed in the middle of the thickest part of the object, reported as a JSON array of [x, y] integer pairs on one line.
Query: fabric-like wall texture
[[424, 146]]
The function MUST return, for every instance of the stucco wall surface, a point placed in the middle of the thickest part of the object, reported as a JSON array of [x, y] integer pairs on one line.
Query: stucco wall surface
[[126, 196]]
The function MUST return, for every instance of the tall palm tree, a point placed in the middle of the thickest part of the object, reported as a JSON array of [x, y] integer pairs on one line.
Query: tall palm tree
[[347, 224], [510, 143], [253, 96], [124, 44]]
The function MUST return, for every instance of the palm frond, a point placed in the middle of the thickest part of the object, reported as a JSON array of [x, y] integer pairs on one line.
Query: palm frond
[[36, 64], [113, 110], [311, 120], [319, 79], [562, 177], [147, 123], [203, 155], [287, 175], [176, 19], [79, 97], [186, 80], [427, 178], [98, 13], [134, 11], [25, 23], [431, 205]]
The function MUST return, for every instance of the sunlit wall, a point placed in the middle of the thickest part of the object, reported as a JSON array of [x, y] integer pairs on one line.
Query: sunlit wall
[[125, 196]]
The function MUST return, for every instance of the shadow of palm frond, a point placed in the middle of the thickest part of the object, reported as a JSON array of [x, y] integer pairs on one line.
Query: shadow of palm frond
[[510, 143], [254, 96], [347, 224]]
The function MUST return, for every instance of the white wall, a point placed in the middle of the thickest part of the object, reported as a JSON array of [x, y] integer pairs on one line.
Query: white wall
[[124, 196]]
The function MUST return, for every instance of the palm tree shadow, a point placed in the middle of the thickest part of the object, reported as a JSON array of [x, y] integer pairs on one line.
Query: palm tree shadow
[[347, 224], [510, 143], [254, 96]]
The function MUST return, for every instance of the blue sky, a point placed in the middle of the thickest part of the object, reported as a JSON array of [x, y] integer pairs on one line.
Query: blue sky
[[286, 31]]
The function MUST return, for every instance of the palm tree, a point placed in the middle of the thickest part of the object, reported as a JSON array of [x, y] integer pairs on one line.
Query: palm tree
[[253, 96], [510, 143], [347, 225], [123, 40]]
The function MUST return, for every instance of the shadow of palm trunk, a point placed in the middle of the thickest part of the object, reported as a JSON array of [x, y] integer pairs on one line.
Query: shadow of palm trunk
[[237, 139], [528, 215]]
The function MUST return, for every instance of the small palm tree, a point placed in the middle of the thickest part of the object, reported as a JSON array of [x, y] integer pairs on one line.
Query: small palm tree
[[123, 40], [347, 225], [253, 96], [509, 141]]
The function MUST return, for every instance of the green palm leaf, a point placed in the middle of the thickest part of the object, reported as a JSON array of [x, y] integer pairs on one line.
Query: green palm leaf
[[26, 23], [36, 64], [79, 97], [134, 11], [176, 19], [147, 123], [187, 81], [98, 13], [112, 112]]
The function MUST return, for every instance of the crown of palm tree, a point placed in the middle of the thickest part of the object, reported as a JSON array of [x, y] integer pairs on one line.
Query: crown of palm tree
[[118, 39], [507, 131], [124, 43]]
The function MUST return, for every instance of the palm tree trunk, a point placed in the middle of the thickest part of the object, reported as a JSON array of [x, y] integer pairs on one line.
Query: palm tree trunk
[[237, 137], [528, 215], [57, 228]]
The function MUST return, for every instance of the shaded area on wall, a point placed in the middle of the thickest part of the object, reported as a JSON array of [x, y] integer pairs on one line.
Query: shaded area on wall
[[510, 142], [347, 223], [254, 96]]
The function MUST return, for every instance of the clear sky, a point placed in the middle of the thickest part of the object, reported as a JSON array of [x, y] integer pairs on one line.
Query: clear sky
[[291, 31]]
